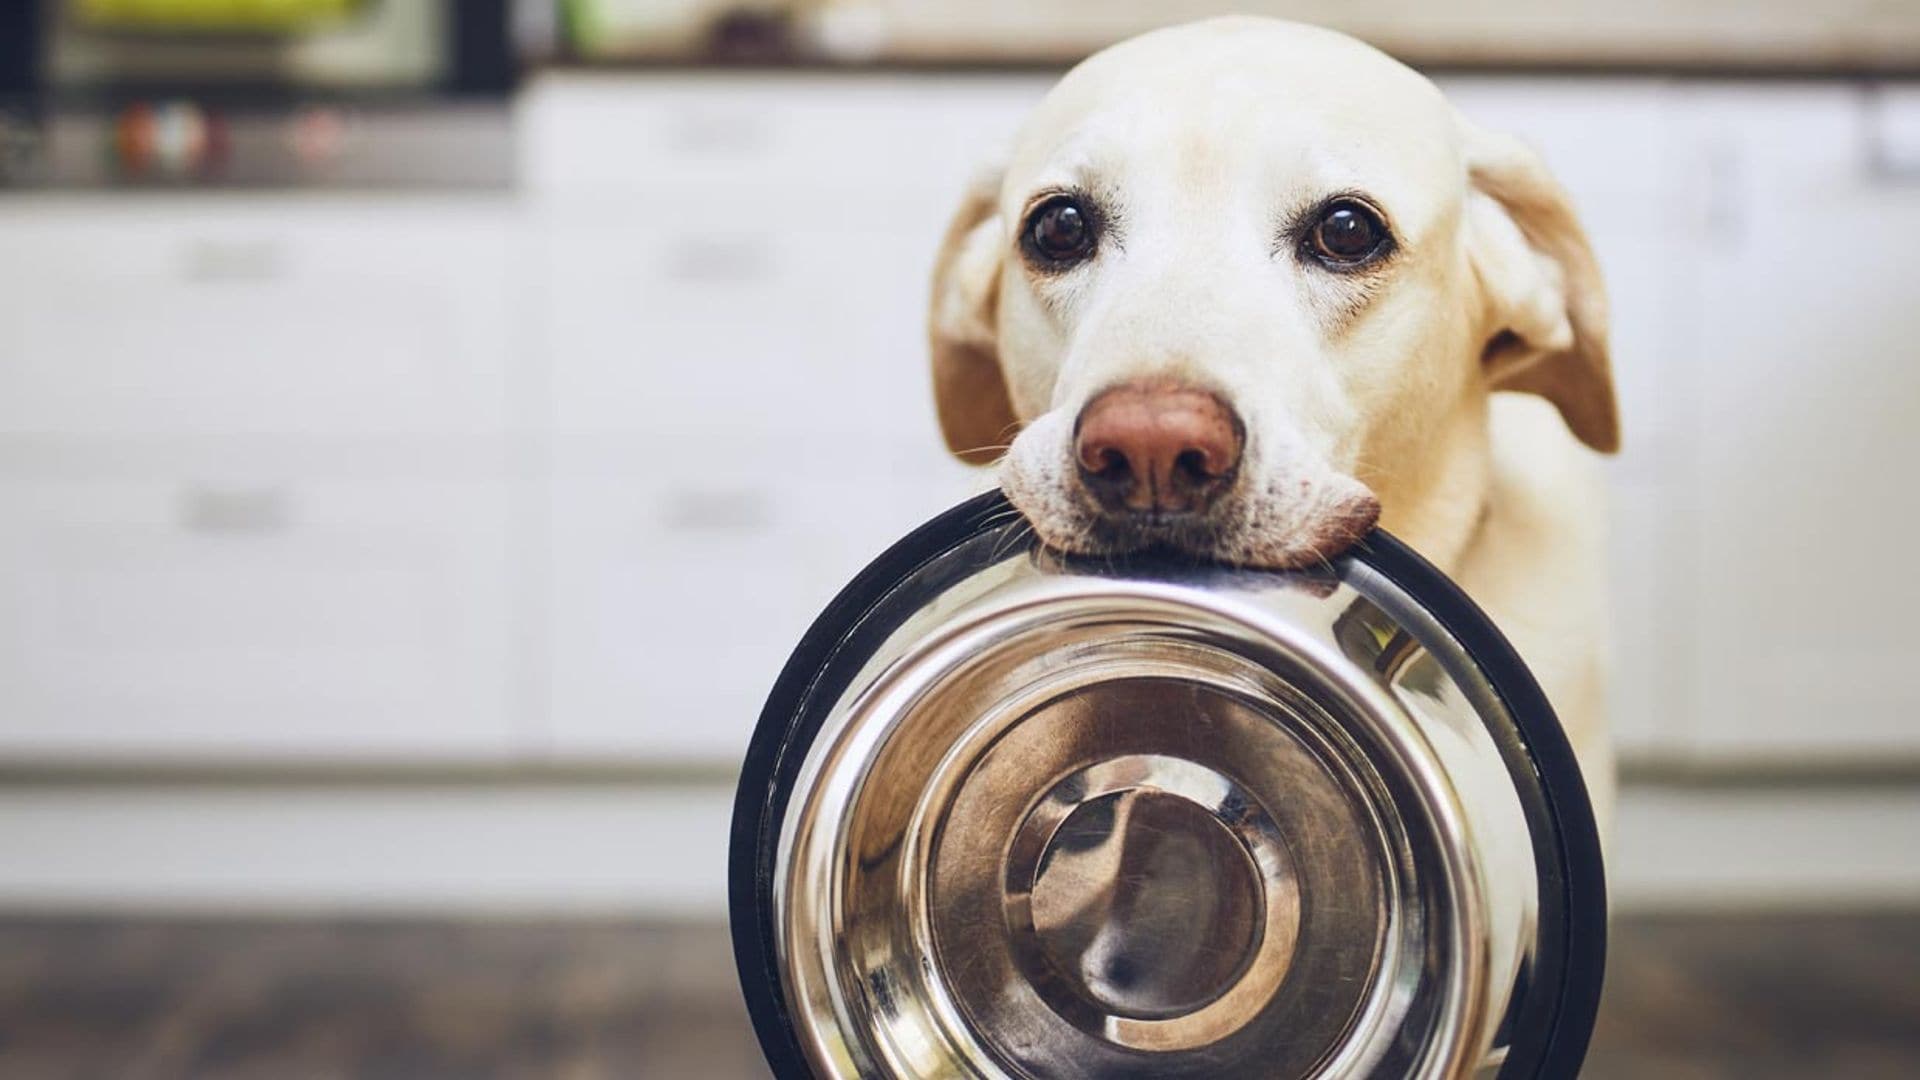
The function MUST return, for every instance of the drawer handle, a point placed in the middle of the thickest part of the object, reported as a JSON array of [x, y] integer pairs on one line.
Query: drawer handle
[[235, 510], [734, 512], [712, 259], [716, 131], [233, 260], [1890, 127]]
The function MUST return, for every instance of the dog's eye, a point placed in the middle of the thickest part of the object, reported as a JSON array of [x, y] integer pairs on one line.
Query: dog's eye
[[1348, 234], [1059, 232]]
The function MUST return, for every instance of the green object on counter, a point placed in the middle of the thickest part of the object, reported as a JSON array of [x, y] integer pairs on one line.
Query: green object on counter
[[613, 28], [201, 15]]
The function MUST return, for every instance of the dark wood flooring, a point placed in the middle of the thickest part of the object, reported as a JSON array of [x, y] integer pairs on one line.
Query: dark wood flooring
[[1736, 996]]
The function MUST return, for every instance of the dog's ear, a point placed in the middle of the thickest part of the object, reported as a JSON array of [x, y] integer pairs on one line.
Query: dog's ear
[[1546, 308], [969, 389]]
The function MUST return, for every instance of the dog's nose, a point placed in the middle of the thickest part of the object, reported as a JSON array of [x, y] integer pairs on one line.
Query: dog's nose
[[1157, 447]]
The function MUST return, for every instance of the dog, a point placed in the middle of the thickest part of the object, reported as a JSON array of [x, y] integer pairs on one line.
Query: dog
[[1245, 288]]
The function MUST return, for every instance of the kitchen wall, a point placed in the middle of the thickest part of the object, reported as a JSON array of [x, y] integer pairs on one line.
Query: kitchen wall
[[430, 550]]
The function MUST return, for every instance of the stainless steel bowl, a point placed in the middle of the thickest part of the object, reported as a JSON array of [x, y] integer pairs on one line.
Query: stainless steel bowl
[[1014, 814]]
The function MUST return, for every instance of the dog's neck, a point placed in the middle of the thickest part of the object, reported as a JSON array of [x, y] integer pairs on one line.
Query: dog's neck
[[1440, 504]]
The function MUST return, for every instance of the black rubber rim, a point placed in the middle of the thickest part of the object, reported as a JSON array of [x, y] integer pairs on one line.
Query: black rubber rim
[[1553, 1039]]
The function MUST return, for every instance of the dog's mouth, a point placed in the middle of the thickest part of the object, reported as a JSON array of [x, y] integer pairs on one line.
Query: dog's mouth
[[1300, 517], [1239, 532], [1187, 533]]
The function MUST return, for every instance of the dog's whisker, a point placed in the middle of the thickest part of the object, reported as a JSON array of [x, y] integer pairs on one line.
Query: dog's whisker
[[1004, 544]]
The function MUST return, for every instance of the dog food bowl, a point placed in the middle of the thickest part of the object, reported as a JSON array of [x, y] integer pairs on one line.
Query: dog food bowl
[[1015, 814]]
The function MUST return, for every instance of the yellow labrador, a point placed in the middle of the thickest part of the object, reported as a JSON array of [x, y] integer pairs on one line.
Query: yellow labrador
[[1244, 287]]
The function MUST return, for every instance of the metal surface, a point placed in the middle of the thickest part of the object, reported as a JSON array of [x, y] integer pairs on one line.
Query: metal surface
[[1165, 821]]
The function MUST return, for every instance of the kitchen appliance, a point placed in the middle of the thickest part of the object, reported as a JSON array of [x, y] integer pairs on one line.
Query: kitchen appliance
[[288, 92], [1012, 813]]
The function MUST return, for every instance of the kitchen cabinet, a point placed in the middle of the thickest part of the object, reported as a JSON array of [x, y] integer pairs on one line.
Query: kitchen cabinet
[[1754, 239], [183, 607], [563, 474], [257, 495], [220, 315], [677, 592], [648, 145], [1806, 426], [741, 412], [720, 324]]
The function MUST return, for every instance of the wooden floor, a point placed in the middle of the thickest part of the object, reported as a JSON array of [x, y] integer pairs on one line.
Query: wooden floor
[[1745, 997]]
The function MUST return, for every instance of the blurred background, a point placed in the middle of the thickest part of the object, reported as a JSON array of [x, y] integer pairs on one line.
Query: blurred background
[[426, 426]]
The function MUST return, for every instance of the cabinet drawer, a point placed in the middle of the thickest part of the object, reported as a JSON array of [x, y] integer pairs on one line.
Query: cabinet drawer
[[812, 137], [188, 316], [750, 325], [677, 598], [182, 617]]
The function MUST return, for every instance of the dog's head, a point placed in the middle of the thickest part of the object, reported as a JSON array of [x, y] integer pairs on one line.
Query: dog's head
[[1240, 283]]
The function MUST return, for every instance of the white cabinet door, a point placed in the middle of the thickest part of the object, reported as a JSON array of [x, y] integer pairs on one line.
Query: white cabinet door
[[1808, 427], [743, 417], [238, 606], [683, 574], [774, 140], [814, 327], [210, 316]]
